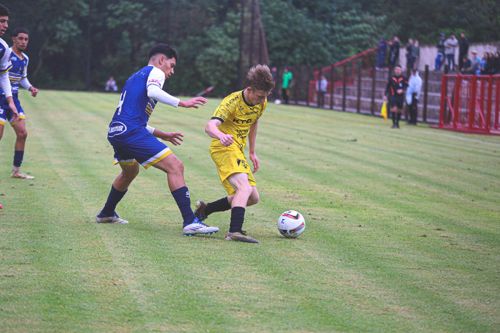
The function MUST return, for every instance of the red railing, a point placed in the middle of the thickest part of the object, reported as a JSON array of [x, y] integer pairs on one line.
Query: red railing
[[341, 73], [474, 103]]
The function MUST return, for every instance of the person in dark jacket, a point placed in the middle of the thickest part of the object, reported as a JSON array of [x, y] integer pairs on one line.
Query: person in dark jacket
[[394, 52], [463, 50], [395, 94]]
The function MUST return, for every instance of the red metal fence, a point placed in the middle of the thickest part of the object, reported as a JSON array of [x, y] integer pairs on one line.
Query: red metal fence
[[470, 103]]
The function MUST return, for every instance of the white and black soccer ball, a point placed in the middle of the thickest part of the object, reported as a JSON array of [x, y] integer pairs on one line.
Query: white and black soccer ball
[[291, 224]]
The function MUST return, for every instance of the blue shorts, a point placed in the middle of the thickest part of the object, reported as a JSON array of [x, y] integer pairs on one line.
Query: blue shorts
[[6, 112], [138, 146]]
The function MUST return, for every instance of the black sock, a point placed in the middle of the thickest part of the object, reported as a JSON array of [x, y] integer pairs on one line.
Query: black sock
[[183, 200], [398, 117], [217, 206], [394, 118], [237, 217], [18, 158], [114, 198]]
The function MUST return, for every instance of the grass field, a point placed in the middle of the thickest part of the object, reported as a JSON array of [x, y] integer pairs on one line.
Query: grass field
[[403, 229]]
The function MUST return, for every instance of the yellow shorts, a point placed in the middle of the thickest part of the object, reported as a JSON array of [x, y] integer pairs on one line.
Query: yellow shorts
[[228, 162]]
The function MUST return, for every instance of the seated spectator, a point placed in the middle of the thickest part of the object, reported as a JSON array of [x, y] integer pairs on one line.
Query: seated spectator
[[476, 63], [484, 61], [466, 66], [496, 62], [489, 67], [111, 85]]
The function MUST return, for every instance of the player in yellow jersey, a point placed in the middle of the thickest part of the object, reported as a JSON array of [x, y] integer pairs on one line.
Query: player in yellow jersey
[[235, 120]]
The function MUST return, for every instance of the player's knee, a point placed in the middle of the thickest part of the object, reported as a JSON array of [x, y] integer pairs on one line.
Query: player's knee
[[22, 134], [244, 188], [130, 174], [254, 198], [177, 167]]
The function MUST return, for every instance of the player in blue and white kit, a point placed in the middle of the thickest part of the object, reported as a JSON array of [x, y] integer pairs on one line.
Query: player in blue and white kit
[[5, 65], [18, 75], [135, 142]]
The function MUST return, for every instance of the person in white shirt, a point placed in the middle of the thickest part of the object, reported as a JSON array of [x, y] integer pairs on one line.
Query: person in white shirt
[[413, 95], [321, 86]]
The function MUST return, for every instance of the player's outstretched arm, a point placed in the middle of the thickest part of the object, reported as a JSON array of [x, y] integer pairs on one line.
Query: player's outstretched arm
[[212, 129], [194, 102], [34, 91], [252, 139], [175, 138]]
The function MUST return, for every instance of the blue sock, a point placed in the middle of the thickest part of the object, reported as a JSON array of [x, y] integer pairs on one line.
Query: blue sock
[[114, 198], [18, 158], [183, 200]]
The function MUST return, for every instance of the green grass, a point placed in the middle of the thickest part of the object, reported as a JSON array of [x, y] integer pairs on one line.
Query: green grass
[[403, 229]]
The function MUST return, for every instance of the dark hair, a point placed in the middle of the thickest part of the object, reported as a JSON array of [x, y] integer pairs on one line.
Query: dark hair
[[18, 31], [4, 11], [163, 48], [398, 66]]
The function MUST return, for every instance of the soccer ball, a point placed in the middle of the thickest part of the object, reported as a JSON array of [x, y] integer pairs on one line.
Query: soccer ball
[[291, 224]]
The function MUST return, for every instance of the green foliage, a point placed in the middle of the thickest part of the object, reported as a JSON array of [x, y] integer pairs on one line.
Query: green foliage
[[78, 40], [398, 239], [218, 61]]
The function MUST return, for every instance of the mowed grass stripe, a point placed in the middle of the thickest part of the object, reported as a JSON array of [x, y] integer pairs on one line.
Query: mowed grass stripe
[[389, 164], [267, 293], [72, 148], [71, 284], [377, 277], [323, 316]]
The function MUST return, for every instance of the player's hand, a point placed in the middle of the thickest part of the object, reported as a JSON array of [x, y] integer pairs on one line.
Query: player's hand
[[34, 91], [255, 161], [226, 139], [175, 138], [385, 98], [194, 102], [399, 91], [15, 114]]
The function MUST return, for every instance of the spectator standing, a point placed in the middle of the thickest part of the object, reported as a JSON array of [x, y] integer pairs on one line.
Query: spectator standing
[[416, 53], [413, 96], [394, 52], [321, 86], [286, 83], [274, 73], [463, 50], [381, 53], [450, 46], [111, 85], [409, 54], [440, 53]]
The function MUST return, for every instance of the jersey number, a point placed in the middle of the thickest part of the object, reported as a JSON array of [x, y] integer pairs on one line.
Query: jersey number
[[120, 104]]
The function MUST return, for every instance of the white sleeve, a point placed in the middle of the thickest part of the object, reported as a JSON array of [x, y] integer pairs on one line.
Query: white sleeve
[[5, 63], [154, 85], [25, 83], [5, 84]]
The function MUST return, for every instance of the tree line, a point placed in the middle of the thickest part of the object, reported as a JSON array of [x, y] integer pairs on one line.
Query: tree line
[[78, 44]]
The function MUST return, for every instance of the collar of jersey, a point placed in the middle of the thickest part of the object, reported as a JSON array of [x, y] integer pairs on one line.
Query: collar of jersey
[[244, 100]]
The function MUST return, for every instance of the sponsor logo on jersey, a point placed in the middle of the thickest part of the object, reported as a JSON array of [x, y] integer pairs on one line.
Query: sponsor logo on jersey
[[242, 163], [242, 121], [116, 128]]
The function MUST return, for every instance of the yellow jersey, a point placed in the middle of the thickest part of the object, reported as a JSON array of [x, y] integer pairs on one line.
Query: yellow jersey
[[237, 117]]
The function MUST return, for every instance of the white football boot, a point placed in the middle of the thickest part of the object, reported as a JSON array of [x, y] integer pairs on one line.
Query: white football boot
[[198, 228]]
